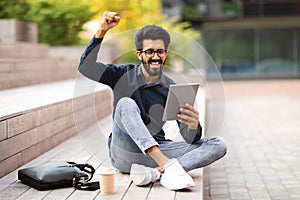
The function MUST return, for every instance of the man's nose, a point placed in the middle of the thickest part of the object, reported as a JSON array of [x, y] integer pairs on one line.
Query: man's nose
[[155, 56]]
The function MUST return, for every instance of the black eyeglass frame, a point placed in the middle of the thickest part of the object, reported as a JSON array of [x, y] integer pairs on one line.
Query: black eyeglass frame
[[153, 52]]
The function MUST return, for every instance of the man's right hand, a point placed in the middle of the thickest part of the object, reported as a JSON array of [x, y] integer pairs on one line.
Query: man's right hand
[[108, 21]]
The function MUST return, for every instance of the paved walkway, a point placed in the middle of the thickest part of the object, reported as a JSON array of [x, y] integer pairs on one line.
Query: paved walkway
[[262, 130]]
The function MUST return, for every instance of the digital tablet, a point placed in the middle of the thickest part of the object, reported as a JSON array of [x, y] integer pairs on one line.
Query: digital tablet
[[178, 95]]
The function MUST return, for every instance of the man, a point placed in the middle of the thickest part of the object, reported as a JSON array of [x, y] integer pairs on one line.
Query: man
[[137, 142]]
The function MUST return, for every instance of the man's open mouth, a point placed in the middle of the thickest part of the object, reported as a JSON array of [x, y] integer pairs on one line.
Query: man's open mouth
[[155, 62]]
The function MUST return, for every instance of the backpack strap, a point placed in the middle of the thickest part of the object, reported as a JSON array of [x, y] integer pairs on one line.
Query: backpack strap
[[82, 184], [91, 186]]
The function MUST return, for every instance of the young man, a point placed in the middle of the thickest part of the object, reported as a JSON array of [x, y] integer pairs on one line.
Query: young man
[[137, 142]]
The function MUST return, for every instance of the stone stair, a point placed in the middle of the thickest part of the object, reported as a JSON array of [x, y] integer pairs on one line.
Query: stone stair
[[39, 107], [23, 64]]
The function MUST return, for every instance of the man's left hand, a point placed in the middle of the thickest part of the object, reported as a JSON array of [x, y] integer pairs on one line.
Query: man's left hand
[[189, 116]]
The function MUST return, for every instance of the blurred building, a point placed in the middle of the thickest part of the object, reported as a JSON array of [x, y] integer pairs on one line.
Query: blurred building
[[246, 38]]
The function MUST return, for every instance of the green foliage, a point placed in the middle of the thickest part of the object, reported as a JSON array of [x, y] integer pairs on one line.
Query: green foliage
[[59, 21], [16, 9], [136, 14], [190, 12]]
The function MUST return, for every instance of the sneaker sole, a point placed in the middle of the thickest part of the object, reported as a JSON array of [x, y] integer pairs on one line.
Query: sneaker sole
[[177, 187]]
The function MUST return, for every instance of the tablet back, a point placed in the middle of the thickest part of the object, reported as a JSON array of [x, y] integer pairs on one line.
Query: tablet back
[[178, 95]]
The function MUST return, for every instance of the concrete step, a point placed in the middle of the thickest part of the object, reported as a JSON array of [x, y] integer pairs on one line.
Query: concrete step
[[34, 119], [90, 146], [24, 64], [16, 72], [23, 50]]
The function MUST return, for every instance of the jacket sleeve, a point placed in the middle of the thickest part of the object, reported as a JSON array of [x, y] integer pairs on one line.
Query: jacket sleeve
[[88, 65], [189, 135], [108, 74]]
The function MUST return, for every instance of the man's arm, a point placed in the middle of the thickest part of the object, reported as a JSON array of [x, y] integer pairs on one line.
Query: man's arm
[[88, 65]]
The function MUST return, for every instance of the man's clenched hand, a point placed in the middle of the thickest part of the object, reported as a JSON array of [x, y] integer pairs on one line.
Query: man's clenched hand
[[108, 21]]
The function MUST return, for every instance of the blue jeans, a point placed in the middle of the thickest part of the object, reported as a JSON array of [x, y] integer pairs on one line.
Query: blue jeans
[[130, 139]]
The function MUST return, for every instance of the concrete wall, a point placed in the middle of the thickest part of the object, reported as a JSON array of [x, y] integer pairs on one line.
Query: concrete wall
[[13, 31]]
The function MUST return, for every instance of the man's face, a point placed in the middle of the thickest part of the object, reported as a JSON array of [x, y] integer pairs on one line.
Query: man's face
[[153, 56]]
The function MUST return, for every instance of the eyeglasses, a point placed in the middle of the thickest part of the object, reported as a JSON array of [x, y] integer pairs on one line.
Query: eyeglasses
[[150, 52]]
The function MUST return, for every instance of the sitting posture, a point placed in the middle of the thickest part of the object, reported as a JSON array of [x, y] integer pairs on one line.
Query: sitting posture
[[137, 144]]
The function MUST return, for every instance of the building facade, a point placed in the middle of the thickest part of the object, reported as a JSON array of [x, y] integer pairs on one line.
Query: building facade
[[249, 38]]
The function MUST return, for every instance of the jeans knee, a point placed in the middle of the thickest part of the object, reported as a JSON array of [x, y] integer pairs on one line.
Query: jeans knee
[[126, 103], [221, 146]]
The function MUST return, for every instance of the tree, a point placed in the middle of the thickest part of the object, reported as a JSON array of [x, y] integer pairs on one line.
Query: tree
[[59, 21], [135, 14], [16, 9]]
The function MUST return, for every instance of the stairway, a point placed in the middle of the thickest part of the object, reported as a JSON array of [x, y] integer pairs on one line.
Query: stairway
[[39, 107]]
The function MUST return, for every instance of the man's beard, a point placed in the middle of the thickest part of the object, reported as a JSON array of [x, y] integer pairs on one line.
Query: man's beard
[[153, 72]]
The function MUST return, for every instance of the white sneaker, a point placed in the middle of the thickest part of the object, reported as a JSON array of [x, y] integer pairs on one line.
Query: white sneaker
[[174, 177], [142, 175]]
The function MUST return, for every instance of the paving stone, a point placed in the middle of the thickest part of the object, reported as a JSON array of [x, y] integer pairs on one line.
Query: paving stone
[[263, 137]]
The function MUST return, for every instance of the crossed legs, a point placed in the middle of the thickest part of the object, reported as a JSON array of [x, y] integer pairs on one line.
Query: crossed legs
[[132, 143]]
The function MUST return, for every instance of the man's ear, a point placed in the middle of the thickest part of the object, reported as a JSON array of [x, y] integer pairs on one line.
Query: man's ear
[[139, 54]]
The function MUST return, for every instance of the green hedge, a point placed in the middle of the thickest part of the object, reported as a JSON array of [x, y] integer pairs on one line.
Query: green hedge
[[59, 21]]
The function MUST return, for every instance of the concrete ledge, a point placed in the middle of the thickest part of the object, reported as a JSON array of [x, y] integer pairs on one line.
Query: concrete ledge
[[36, 118], [23, 64], [16, 72], [23, 50], [13, 30]]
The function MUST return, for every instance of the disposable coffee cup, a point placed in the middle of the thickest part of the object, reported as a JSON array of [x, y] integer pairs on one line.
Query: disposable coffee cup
[[107, 180]]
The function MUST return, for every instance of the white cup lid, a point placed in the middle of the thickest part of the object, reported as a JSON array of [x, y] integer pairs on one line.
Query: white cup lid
[[106, 170]]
